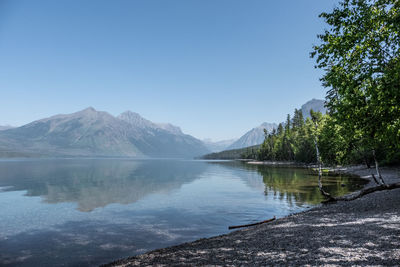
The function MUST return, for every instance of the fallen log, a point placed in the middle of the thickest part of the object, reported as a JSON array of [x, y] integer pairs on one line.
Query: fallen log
[[251, 224], [364, 192]]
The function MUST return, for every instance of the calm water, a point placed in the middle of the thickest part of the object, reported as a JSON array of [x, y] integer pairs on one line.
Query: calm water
[[88, 212]]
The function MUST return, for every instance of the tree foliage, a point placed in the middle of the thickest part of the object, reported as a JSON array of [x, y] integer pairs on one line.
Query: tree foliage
[[360, 54], [292, 142]]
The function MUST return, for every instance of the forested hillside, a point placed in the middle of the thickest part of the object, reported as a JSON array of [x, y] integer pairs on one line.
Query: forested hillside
[[241, 153]]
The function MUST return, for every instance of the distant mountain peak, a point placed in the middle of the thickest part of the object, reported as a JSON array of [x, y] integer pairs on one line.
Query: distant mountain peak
[[314, 104], [135, 119], [253, 137], [268, 126], [170, 128], [88, 110], [129, 113], [131, 117]]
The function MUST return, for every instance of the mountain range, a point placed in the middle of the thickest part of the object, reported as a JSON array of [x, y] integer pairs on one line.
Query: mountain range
[[96, 133], [256, 135], [92, 133], [253, 137]]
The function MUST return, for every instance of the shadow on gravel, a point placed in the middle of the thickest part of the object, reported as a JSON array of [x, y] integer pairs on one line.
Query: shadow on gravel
[[361, 232]]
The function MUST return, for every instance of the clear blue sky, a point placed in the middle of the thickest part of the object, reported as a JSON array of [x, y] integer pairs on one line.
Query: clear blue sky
[[216, 68]]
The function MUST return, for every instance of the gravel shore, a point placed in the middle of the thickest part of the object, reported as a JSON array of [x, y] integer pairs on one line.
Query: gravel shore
[[362, 232]]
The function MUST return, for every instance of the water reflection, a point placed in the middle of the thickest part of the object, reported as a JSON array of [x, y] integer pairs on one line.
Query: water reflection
[[301, 186], [165, 202], [97, 183], [297, 186]]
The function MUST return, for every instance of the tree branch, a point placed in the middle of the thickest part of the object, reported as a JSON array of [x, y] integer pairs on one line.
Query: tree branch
[[252, 224], [364, 192]]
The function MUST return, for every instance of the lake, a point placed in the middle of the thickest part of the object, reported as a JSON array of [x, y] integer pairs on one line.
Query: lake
[[68, 212]]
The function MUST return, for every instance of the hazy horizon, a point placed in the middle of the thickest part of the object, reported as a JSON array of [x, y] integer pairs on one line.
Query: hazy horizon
[[215, 69]]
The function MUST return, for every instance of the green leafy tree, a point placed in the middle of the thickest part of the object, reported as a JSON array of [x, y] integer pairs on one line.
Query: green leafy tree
[[361, 59], [334, 146], [305, 143]]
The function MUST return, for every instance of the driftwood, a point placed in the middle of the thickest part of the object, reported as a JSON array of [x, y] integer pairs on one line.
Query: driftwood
[[251, 224], [364, 192], [381, 185]]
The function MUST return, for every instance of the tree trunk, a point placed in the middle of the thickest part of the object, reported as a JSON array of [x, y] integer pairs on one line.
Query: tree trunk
[[376, 181], [367, 162], [323, 192], [378, 173], [368, 165]]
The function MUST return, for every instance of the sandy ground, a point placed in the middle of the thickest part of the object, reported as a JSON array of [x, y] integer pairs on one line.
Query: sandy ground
[[363, 232]]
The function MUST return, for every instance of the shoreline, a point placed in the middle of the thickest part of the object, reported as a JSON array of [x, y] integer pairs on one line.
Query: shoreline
[[365, 231]]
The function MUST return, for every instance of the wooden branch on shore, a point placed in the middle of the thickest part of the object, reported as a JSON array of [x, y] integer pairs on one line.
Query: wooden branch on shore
[[364, 192], [251, 224]]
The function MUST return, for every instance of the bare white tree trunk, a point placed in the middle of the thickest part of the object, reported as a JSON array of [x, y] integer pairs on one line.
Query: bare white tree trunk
[[378, 173], [323, 192]]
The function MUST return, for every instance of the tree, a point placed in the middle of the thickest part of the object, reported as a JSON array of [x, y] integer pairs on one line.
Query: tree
[[360, 55], [298, 119], [334, 146], [266, 151], [292, 142], [317, 120]]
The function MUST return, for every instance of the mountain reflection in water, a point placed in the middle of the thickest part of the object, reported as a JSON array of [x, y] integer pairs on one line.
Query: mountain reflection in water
[[97, 183], [100, 210]]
